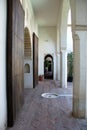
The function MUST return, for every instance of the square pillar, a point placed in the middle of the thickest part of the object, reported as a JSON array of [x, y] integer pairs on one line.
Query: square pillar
[[80, 75]]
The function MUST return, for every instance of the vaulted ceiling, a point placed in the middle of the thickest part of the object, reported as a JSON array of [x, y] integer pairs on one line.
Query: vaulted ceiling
[[46, 11]]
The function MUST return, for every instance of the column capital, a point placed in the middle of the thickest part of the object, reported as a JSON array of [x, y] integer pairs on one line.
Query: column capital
[[63, 49], [58, 53], [76, 36]]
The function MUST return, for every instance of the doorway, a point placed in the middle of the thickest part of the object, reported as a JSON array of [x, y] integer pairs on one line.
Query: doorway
[[48, 67], [35, 60]]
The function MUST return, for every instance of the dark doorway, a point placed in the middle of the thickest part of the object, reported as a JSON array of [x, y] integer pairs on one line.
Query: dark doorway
[[35, 60], [48, 67]]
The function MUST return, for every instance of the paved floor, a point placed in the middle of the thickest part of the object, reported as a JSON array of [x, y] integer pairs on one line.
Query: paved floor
[[40, 113]]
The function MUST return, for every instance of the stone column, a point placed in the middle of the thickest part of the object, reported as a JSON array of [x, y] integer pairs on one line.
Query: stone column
[[58, 67], [76, 75], [63, 72], [80, 75], [79, 28]]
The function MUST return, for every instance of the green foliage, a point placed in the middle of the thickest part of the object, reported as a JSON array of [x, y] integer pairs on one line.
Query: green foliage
[[70, 64], [47, 63]]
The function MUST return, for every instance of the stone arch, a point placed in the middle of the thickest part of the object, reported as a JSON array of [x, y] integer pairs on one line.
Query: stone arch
[[48, 55], [27, 44]]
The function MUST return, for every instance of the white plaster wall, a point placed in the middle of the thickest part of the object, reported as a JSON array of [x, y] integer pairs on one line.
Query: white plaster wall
[[47, 45], [3, 108], [31, 23], [30, 18], [81, 12], [64, 20], [28, 82]]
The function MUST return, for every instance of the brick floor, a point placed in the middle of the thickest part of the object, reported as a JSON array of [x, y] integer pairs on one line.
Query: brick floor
[[39, 113]]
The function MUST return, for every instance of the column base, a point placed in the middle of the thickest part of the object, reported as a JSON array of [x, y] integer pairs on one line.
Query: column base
[[79, 108]]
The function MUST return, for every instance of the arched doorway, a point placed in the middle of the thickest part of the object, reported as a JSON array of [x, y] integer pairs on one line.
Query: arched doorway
[[48, 67]]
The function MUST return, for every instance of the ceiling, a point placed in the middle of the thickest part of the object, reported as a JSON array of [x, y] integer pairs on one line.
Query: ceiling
[[46, 11]]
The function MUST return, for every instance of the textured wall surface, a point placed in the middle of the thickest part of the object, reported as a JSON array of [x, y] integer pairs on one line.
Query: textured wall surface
[[15, 58]]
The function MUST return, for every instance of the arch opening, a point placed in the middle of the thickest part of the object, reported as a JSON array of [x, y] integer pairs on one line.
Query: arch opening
[[69, 49], [69, 34], [48, 67], [27, 58]]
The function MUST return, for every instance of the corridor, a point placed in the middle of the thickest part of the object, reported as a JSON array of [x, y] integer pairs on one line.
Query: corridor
[[40, 113]]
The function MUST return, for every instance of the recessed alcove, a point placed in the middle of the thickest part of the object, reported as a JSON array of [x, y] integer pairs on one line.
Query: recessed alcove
[[27, 68]]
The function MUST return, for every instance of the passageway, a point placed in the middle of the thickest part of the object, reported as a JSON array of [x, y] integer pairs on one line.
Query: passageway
[[40, 113]]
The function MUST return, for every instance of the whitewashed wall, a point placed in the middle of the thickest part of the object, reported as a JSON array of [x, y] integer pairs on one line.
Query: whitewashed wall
[[31, 24], [30, 19], [28, 82], [47, 45], [3, 112], [81, 17]]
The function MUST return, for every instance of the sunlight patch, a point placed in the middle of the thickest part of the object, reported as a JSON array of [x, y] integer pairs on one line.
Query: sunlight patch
[[50, 95]]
